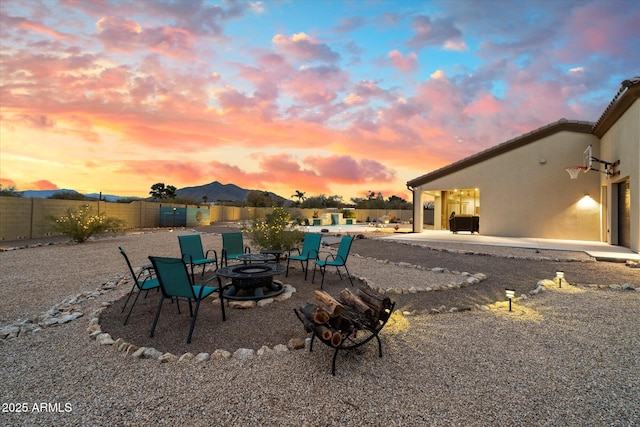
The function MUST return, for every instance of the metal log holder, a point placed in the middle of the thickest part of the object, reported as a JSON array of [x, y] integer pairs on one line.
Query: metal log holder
[[360, 332]]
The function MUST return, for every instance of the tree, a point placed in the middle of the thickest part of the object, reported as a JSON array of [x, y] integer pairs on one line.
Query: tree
[[160, 192], [67, 195], [322, 201], [396, 202], [300, 196], [259, 199], [9, 191]]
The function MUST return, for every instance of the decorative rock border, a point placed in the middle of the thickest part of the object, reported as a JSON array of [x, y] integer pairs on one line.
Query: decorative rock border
[[67, 311], [63, 312]]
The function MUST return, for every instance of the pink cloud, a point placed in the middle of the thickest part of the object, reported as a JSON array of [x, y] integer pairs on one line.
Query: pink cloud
[[303, 48], [316, 85], [405, 63], [348, 170], [605, 28], [484, 105], [128, 36]]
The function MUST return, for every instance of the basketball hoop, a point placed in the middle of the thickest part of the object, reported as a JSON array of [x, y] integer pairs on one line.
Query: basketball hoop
[[574, 171]]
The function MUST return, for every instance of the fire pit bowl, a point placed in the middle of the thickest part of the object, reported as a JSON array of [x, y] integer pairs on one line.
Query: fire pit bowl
[[252, 281]]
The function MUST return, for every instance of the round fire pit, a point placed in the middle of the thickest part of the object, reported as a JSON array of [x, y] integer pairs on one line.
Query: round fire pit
[[252, 281]]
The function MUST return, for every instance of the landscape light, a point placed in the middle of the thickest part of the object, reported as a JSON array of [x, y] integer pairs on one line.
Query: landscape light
[[511, 293], [559, 276]]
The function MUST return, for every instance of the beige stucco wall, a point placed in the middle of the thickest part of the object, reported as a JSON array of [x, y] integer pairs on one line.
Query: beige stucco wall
[[622, 142], [527, 192]]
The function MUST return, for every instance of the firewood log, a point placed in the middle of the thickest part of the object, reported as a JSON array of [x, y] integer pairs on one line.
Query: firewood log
[[324, 332], [328, 303], [374, 299], [314, 313], [308, 324], [357, 304], [336, 339]]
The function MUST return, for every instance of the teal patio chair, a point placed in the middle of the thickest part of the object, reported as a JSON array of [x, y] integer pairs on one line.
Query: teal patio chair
[[233, 247], [176, 282], [145, 280], [193, 254], [339, 260], [310, 250]]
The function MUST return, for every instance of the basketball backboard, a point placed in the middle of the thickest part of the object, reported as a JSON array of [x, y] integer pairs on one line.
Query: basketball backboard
[[588, 158]]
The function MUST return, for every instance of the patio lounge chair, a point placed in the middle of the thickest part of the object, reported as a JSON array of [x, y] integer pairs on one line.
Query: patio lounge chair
[[310, 249], [193, 254], [339, 260], [145, 280], [176, 282], [233, 246]]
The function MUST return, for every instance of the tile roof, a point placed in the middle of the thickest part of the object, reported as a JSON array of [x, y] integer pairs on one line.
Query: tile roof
[[626, 96]]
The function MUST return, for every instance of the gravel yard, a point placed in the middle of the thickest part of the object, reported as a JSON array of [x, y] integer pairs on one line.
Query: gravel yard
[[562, 357]]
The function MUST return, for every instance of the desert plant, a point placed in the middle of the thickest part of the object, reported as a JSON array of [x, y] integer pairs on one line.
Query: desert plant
[[274, 232], [82, 224]]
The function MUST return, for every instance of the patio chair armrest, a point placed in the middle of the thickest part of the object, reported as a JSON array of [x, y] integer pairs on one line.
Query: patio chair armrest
[[247, 250], [329, 255], [219, 286], [187, 259], [215, 254], [294, 249], [146, 272]]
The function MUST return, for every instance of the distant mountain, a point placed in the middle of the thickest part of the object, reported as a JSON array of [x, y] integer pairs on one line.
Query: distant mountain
[[216, 191], [111, 197], [43, 194]]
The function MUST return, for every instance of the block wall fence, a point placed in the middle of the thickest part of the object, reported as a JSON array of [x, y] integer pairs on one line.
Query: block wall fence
[[27, 218]]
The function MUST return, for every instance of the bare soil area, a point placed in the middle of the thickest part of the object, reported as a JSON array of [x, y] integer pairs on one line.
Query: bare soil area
[[276, 323]]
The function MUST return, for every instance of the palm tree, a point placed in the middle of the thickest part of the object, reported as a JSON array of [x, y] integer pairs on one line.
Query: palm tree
[[300, 196]]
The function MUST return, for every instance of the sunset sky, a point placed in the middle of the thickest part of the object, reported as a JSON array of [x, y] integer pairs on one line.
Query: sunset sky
[[324, 97]]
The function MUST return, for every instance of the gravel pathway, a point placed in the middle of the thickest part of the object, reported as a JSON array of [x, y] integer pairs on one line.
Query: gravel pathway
[[563, 357]]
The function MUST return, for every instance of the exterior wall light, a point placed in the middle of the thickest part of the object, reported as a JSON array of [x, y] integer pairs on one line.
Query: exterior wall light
[[559, 276], [510, 294]]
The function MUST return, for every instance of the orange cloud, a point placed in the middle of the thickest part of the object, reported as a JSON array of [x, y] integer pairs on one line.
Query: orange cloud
[[6, 183], [42, 184]]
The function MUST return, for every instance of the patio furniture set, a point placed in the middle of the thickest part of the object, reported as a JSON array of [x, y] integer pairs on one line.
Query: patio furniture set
[[251, 277]]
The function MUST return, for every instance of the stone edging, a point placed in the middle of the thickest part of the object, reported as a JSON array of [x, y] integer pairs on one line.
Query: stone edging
[[67, 311]]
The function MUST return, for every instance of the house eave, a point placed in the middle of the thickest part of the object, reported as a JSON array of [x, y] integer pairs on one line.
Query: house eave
[[543, 132], [620, 104]]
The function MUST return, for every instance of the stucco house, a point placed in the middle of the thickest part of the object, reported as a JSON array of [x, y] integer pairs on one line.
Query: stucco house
[[521, 188]]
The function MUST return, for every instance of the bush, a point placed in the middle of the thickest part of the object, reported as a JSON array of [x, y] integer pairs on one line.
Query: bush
[[82, 224], [274, 232]]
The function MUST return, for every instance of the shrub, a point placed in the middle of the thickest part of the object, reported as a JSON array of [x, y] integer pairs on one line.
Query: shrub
[[274, 232], [82, 224]]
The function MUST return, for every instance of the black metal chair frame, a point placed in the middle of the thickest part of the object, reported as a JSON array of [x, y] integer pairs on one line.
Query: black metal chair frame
[[350, 343], [197, 298], [150, 275], [187, 258], [337, 261]]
